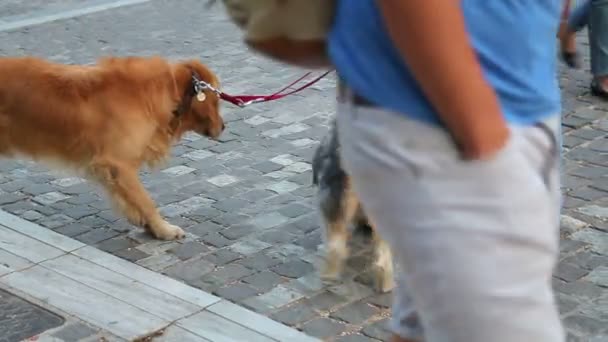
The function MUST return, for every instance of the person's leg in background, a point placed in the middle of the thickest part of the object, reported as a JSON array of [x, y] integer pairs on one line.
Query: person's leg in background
[[574, 19], [477, 255], [598, 42]]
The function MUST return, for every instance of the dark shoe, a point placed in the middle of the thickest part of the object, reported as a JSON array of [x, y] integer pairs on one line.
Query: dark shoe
[[598, 90], [572, 59]]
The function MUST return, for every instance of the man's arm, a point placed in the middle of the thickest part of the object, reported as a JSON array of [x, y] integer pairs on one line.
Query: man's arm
[[432, 38]]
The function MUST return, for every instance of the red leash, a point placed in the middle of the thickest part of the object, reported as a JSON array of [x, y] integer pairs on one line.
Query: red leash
[[245, 100]]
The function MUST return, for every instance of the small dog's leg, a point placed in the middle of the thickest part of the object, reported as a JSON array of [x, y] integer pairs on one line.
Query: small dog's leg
[[132, 199], [336, 241], [383, 265], [336, 250]]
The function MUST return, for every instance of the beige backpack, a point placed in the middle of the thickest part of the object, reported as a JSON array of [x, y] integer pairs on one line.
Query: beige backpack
[[293, 31]]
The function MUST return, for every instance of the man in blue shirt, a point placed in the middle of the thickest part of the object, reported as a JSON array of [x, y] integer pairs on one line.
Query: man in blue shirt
[[448, 118]]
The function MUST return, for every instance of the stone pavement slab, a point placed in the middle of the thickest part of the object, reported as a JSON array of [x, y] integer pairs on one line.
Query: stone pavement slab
[[109, 297], [247, 202]]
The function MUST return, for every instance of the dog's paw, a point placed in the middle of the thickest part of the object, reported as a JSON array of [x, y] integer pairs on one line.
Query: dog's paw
[[332, 270], [170, 232], [384, 280]]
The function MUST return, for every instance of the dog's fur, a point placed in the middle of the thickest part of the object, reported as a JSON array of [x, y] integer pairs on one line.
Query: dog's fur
[[106, 121], [339, 207]]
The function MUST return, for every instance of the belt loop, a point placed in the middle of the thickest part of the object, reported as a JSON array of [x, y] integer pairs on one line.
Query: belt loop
[[345, 96]]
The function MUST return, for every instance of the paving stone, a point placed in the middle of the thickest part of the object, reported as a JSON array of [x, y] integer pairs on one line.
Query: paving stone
[[32, 215], [68, 181], [355, 338], [571, 225], [55, 221], [191, 270], [49, 198], [216, 240], [155, 246], [260, 261], [355, 313], [77, 189], [222, 257], [298, 167], [238, 231], [230, 219], [599, 338], [204, 228], [81, 211], [588, 133], [599, 276], [287, 251], [269, 220], [249, 246], [96, 235], [38, 189], [581, 290], [277, 236], [158, 262], [263, 281], [384, 300], [116, 244], [587, 260], [279, 175], [326, 300], [257, 194], [83, 199], [189, 250], [597, 239], [131, 254], [566, 304], [294, 210], [230, 205], [223, 180], [74, 332], [236, 292], [307, 223], [310, 242], [569, 272], [295, 313], [293, 269], [584, 324], [378, 330], [324, 327], [226, 274], [73, 229], [594, 211], [267, 166], [283, 187], [198, 154], [274, 299], [8, 198]]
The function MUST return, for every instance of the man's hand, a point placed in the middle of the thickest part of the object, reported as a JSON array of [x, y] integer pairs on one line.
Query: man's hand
[[432, 38]]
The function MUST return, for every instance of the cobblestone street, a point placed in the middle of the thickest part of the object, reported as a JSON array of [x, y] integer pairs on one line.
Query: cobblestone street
[[246, 202]]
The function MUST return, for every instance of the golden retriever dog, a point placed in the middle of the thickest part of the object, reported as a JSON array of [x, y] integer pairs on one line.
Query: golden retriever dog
[[105, 121]]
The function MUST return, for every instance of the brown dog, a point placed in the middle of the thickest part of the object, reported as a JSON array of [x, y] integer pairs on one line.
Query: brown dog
[[106, 120]]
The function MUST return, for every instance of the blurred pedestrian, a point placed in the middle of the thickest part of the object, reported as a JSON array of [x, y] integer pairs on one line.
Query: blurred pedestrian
[[592, 14], [448, 117]]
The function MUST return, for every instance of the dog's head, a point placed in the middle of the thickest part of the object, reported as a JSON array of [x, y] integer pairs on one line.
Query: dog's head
[[198, 113]]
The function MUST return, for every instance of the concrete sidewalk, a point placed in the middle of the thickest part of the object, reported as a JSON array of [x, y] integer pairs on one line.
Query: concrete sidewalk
[[90, 295]]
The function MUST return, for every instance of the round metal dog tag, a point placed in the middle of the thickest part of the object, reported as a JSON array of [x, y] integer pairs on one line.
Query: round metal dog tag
[[201, 97]]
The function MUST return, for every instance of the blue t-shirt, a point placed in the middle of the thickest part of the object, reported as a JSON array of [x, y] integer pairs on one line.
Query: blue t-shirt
[[515, 41]]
